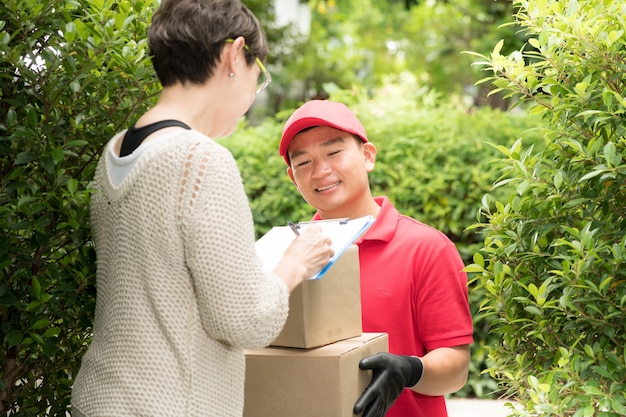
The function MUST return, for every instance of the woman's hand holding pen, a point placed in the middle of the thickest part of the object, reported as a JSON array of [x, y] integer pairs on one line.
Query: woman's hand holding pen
[[308, 254]]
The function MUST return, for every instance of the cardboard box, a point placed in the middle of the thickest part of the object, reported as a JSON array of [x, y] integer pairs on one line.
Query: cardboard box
[[320, 382], [325, 310]]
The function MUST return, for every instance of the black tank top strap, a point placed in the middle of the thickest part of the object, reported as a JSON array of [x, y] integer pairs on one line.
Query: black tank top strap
[[135, 135]]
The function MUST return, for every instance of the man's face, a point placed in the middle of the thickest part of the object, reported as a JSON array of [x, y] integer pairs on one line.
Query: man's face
[[330, 168]]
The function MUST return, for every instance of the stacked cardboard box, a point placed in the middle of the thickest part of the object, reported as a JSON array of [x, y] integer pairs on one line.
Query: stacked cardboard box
[[312, 368], [320, 382], [325, 310]]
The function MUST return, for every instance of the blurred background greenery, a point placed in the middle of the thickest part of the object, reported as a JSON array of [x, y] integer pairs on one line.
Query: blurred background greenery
[[323, 45]]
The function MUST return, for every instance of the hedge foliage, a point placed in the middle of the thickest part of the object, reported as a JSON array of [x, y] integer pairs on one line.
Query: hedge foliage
[[432, 163], [554, 257], [71, 74]]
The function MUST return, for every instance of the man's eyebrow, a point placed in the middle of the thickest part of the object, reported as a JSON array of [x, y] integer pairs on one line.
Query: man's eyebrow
[[326, 143], [333, 141]]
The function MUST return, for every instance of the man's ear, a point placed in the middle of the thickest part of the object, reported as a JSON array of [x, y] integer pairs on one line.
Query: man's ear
[[293, 179], [369, 152]]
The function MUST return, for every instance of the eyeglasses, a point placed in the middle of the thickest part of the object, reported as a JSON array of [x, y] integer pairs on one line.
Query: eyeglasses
[[268, 78]]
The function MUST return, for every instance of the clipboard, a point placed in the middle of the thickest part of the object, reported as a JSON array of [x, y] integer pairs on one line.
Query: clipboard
[[343, 233]]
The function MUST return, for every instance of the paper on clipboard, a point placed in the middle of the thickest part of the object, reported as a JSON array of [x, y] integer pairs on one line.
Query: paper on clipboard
[[343, 233]]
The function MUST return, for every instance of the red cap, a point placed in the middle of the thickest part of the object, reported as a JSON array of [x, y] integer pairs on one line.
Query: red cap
[[320, 113]]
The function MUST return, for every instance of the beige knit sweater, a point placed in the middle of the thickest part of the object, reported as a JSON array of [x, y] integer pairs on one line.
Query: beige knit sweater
[[180, 290]]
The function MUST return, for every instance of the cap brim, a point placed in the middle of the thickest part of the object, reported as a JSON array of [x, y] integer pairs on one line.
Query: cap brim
[[306, 122]]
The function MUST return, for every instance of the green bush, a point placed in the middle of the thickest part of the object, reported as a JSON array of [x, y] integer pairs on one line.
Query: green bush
[[71, 74], [432, 163], [554, 258]]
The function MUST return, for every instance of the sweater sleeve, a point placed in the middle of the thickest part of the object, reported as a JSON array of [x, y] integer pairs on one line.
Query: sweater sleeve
[[239, 303]]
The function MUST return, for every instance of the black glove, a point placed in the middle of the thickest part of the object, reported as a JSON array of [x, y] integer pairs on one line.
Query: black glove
[[391, 374]]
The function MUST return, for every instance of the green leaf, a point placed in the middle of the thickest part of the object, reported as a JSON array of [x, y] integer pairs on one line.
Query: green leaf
[[592, 390], [33, 117], [603, 372], [57, 155], [589, 351], [473, 268], [605, 282], [592, 174], [33, 305], [72, 185], [24, 201], [588, 411], [37, 338], [24, 158], [81, 29], [497, 48], [558, 179], [52, 332], [11, 117], [14, 338], [534, 43], [76, 143], [75, 86], [40, 324], [5, 38], [36, 287], [609, 153], [618, 406], [70, 32], [479, 260], [533, 310]]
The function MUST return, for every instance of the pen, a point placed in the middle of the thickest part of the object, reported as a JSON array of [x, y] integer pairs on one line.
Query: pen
[[294, 228]]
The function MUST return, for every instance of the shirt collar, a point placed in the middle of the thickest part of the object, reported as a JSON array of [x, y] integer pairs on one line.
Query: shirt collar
[[386, 222]]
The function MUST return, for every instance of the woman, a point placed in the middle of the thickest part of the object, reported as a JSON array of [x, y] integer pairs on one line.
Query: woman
[[181, 291]]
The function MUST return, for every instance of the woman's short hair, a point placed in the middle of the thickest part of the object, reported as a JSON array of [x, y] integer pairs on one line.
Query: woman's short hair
[[186, 37]]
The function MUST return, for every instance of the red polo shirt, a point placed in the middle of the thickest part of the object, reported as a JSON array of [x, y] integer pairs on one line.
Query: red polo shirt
[[414, 289]]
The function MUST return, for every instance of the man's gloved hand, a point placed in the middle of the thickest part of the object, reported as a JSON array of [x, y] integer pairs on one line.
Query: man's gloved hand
[[391, 374]]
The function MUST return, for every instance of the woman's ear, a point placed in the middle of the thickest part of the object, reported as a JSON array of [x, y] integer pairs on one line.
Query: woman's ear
[[232, 53]]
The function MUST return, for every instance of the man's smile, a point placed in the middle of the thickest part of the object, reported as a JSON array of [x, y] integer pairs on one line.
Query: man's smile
[[328, 187]]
